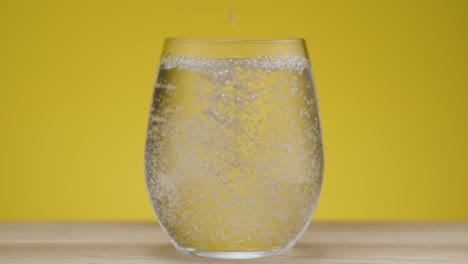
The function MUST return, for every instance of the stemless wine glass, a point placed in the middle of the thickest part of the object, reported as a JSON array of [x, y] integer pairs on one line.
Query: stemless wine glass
[[233, 157]]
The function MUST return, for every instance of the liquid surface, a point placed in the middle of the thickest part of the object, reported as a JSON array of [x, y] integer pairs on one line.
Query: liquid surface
[[233, 155]]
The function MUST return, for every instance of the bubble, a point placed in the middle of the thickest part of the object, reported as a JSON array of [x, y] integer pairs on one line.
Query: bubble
[[268, 63], [252, 97]]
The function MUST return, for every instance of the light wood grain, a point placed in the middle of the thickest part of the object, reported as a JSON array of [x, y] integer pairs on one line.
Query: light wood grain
[[331, 243]]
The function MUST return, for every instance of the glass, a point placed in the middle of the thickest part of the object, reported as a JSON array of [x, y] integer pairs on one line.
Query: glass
[[233, 157]]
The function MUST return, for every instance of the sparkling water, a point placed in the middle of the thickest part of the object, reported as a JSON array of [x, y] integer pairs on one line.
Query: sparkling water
[[233, 155]]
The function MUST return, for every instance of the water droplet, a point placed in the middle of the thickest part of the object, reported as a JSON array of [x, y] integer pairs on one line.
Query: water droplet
[[232, 17]]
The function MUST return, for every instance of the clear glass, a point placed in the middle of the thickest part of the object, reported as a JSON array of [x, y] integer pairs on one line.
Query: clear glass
[[233, 157]]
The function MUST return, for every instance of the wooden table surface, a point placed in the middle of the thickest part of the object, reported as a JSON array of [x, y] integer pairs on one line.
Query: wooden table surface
[[100, 243]]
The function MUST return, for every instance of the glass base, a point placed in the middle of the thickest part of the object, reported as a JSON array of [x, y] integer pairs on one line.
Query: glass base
[[230, 254]]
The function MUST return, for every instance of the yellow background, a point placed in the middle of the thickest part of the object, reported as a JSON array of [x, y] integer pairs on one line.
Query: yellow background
[[76, 80]]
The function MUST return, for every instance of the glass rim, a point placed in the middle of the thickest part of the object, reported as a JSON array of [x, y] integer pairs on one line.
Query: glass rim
[[235, 40]]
